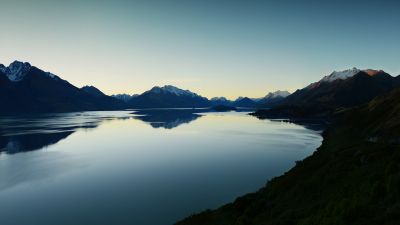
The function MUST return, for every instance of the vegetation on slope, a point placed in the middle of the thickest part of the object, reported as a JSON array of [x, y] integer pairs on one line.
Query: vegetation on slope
[[353, 178], [323, 99]]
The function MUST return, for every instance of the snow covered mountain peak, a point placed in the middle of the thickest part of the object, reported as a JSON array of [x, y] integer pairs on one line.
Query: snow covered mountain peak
[[272, 96], [124, 97], [172, 90], [277, 93], [341, 75], [17, 70], [219, 99]]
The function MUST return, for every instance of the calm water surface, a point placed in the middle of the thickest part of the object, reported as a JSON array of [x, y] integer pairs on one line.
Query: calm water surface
[[149, 169]]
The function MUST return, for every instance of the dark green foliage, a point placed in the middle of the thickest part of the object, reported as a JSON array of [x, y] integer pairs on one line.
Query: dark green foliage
[[353, 178], [323, 99]]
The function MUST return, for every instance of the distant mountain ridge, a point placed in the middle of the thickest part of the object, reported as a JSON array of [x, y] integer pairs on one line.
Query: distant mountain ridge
[[244, 102], [338, 90], [220, 101], [169, 89], [168, 96], [28, 89], [341, 75], [93, 91], [266, 101], [273, 98], [123, 97], [17, 71]]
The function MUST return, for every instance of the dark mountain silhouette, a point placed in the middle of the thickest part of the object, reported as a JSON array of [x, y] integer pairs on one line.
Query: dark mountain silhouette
[[168, 97], [124, 97], [272, 99], [28, 132], [220, 101], [93, 91], [244, 102], [167, 118], [104, 99], [353, 178], [27, 89], [323, 98], [30, 142]]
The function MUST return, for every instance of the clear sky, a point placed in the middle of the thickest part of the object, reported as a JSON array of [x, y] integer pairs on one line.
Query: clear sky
[[212, 47]]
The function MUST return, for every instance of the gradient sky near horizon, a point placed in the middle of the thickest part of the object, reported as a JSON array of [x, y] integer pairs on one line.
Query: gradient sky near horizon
[[214, 48]]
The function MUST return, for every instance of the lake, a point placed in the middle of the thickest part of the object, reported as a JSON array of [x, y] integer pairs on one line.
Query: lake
[[150, 168]]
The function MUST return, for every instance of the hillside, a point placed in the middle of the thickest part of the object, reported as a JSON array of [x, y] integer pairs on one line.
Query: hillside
[[338, 91], [168, 97], [28, 89], [353, 177]]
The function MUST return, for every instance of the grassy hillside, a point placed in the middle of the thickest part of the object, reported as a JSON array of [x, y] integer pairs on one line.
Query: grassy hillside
[[353, 178]]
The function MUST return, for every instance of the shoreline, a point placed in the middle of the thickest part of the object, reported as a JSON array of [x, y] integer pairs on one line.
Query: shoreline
[[347, 180]]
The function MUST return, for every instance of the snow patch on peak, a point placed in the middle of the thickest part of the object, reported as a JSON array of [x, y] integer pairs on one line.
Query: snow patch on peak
[[341, 75], [219, 99], [17, 70], [278, 93], [273, 95], [372, 72], [173, 90], [239, 98], [124, 97], [52, 75]]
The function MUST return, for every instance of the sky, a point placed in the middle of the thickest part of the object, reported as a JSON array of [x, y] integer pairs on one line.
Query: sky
[[214, 48]]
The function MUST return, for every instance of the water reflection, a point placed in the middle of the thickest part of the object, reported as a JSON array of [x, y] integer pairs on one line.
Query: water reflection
[[168, 118], [33, 132], [29, 142], [318, 125], [125, 171], [172, 118]]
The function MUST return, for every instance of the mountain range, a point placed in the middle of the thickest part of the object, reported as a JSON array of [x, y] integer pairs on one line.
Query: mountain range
[[333, 93], [352, 178], [27, 89], [168, 97], [267, 101]]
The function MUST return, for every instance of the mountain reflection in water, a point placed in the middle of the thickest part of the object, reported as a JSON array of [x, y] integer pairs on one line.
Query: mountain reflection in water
[[167, 118], [106, 169], [24, 133]]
